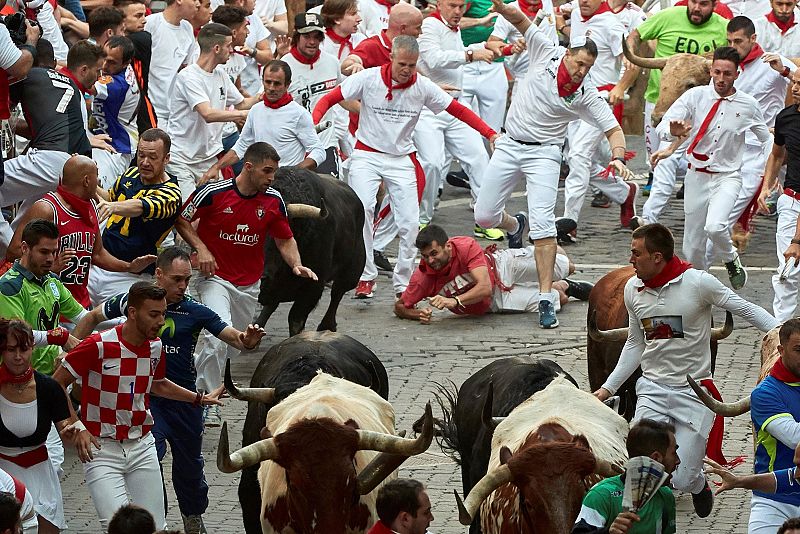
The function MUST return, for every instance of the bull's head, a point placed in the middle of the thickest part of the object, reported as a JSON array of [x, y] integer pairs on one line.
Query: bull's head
[[679, 73], [548, 471], [318, 455], [621, 334]]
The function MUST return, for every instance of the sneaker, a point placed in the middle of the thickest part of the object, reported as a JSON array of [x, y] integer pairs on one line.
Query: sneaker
[[515, 239], [636, 222], [492, 234], [566, 231], [737, 274], [458, 179], [381, 262], [211, 416], [681, 191], [578, 289], [423, 225], [601, 201], [703, 502], [646, 188], [193, 524], [365, 289], [627, 210], [547, 314]]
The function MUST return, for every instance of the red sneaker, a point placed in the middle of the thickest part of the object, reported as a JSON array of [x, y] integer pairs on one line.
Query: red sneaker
[[627, 210], [365, 289]]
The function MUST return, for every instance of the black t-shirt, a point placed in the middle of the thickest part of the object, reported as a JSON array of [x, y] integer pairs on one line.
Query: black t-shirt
[[52, 106], [51, 407], [787, 134]]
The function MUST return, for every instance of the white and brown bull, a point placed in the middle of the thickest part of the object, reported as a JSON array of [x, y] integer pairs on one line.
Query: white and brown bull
[[320, 472], [545, 454]]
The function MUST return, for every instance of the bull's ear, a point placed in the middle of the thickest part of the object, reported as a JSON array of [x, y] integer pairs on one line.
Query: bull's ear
[[581, 441], [505, 455], [265, 433], [352, 424]]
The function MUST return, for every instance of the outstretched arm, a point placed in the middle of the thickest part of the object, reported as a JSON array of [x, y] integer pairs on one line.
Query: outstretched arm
[[325, 103], [468, 117], [513, 15]]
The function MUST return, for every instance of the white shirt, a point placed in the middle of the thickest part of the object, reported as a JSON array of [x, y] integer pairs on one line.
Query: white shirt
[[685, 305], [387, 125], [441, 53], [250, 77], [607, 32], [749, 8], [631, 16], [195, 141], [52, 31], [269, 9], [767, 86], [309, 85], [770, 38], [333, 48], [9, 53], [537, 113], [171, 47], [505, 31], [288, 129], [374, 17], [722, 142]]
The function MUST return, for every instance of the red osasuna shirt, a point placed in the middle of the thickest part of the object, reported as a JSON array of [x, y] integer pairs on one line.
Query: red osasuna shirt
[[453, 279], [234, 227]]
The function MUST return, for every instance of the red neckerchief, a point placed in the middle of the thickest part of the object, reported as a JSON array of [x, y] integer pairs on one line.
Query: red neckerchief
[[196, 31], [303, 59], [529, 9], [386, 76], [782, 26], [673, 269], [385, 41], [83, 208], [385, 3], [7, 378], [68, 73], [564, 81], [780, 372], [438, 16], [380, 528], [338, 39], [282, 101], [755, 53], [604, 8]]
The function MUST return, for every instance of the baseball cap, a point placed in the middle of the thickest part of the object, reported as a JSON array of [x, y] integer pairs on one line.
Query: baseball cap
[[307, 23]]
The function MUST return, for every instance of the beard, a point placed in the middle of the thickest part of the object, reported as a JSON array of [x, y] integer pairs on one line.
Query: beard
[[703, 21]]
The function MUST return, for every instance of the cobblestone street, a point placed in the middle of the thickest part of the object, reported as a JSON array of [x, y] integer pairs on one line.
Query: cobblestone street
[[456, 347]]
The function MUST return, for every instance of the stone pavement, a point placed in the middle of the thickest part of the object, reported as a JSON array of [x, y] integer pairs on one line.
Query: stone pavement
[[456, 347]]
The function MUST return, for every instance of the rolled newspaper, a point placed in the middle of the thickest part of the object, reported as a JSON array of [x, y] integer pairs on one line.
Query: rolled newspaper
[[643, 478]]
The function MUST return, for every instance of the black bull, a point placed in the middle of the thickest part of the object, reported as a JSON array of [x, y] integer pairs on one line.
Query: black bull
[[331, 246], [607, 314], [287, 366], [466, 428]]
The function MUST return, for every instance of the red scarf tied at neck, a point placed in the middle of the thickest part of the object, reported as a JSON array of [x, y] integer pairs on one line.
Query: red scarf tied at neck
[[564, 81], [303, 59], [282, 101], [783, 374], [68, 73], [529, 9], [782, 26], [601, 9], [84, 208], [386, 76], [755, 53], [343, 42], [7, 378], [438, 16], [673, 269]]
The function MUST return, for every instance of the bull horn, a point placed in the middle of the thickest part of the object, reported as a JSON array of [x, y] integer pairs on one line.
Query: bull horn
[[605, 336], [378, 441], [246, 456], [725, 330], [306, 211], [265, 395], [725, 409], [644, 62], [490, 482], [606, 469], [378, 469]]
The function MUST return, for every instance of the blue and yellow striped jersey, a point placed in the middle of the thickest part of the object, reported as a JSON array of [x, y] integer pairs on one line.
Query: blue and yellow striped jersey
[[130, 237]]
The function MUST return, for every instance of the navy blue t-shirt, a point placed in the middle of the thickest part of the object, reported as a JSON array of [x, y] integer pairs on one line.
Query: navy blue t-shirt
[[184, 321]]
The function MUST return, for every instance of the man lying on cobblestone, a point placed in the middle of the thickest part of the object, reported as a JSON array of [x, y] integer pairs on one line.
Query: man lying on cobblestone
[[458, 275]]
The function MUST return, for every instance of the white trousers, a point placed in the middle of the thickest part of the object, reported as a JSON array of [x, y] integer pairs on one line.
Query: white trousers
[[386, 230], [785, 300], [110, 166], [707, 206], [484, 89], [588, 147], [651, 141], [692, 420], [438, 136], [540, 166], [236, 305], [665, 175], [397, 172], [516, 269], [753, 163], [188, 175], [28, 176], [122, 472], [767, 516], [105, 284]]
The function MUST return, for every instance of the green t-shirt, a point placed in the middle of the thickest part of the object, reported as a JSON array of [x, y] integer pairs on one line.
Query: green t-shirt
[[676, 35], [478, 34], [603, 504], [39, 302]]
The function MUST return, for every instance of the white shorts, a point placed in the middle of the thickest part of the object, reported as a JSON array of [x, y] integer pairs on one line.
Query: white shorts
[[516, 268], [110, 166]]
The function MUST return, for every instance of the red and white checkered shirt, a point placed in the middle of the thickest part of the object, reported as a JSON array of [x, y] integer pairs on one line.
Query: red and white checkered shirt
[[116, 379]]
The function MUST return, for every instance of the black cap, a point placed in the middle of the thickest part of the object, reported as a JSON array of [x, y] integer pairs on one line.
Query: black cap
[[307, 23]]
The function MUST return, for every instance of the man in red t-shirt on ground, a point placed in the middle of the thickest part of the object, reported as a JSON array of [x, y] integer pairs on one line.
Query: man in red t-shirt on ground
[[235, 216], [457, 274]]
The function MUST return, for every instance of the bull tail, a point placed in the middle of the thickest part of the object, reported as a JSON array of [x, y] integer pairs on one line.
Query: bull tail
[[447, 432]]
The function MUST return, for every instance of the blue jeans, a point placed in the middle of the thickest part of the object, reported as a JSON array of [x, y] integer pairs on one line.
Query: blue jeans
[[75, 7]]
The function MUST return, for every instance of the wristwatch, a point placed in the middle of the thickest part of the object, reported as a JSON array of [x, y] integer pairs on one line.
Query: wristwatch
[[469, 56]]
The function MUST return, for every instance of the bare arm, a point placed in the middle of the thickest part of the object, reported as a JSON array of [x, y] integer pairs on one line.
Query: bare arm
[[247, 340], [513, 15], [774, 164], [170, 390], [422, 315], [480, 291], [469, 22], [351, 65], [89, 322], [205, 260], [290, 254], [210, 114], [39, 210]]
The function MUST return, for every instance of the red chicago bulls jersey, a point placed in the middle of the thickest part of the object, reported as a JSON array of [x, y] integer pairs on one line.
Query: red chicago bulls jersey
[[234, 227], [79, 235]]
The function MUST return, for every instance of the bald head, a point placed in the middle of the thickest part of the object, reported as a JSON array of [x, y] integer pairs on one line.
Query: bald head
[[404, 19], [80, 177]]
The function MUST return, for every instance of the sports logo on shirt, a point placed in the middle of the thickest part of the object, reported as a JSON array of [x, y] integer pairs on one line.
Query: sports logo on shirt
[[663, 327], [260, 212]]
